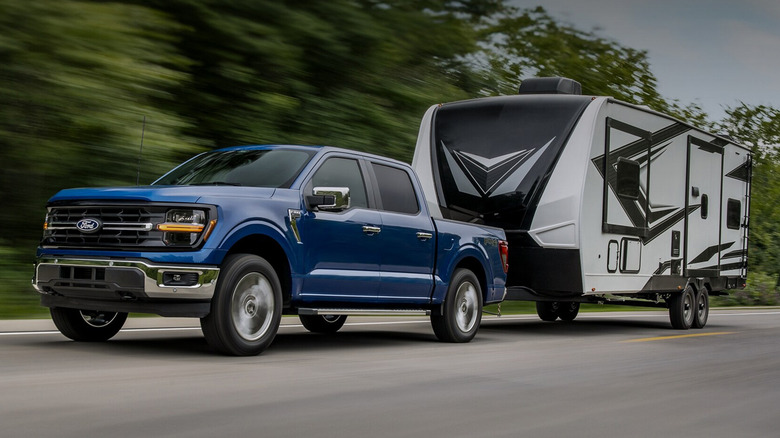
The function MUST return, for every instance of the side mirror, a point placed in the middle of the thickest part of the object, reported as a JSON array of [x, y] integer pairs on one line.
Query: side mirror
[[329, 198]]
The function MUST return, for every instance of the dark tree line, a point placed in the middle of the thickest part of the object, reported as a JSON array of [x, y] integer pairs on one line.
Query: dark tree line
[[78, 77]]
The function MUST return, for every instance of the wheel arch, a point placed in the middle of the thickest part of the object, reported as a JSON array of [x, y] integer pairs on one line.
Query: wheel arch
[[474, 265], [268, 248]]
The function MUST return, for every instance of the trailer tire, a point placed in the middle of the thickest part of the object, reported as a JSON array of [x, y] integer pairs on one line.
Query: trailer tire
[[246, 309], [702, 309], [462, 309], [547, 310], [568, 311], [87, 325], [322, 323], [682, 309]]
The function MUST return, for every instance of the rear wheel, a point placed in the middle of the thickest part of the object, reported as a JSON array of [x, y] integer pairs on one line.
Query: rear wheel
[[547, 310], [323, 323], [246, 308], [87, 325], [462, 310], [702, 309], [682, 309], [568, 311]]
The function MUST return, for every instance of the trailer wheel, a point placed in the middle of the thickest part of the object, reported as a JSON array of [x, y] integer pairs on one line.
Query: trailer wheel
[[568, 311], [462, 310], [682, 309], [547, 310], [87, 325], [323, 323], [246, 308], [702, 309]]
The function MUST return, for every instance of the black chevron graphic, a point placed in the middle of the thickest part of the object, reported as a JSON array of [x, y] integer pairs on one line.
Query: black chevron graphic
[[740, 173], [711, 251]]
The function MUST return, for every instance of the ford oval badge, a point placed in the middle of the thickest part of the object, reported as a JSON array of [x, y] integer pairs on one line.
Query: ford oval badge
[[88, 225]]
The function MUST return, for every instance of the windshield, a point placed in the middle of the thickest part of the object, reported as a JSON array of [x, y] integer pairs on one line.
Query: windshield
[[275, 168]]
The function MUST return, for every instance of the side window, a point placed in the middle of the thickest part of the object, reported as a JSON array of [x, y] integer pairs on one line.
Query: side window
[[733, 213], [627, 178], [395, 189], [343, 172]]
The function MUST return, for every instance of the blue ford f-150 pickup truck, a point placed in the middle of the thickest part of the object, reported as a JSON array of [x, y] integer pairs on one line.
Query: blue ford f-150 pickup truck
[[239, 236]]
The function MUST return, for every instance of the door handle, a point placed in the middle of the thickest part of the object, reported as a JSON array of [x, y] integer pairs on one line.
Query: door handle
[[368, 229], [424, 236]]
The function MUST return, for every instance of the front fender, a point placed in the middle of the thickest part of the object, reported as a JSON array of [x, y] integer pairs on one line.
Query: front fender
[[259, 227]]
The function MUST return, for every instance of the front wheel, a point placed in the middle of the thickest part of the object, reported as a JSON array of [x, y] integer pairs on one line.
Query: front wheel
[[323, 323], [87, 325], [246, 309], [462, 310], [547, 310], [682, 309]]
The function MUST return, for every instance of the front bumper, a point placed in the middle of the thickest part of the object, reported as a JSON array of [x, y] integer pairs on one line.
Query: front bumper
[[123, 280]]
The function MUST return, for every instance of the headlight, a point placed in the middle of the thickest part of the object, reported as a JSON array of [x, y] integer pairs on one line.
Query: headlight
[[183, 227]]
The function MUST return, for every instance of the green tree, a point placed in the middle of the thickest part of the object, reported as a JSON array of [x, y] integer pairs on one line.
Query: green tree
[[531, 43], [76, 79], [759, 128]]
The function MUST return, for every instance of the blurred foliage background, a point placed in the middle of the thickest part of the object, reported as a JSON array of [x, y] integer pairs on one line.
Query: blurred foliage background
[[77, 79]]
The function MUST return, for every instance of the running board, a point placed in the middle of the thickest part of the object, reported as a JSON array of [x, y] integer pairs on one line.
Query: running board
[[366, 312]]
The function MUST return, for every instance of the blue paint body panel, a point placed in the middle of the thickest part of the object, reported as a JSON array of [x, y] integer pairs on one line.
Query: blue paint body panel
[[332, 259]]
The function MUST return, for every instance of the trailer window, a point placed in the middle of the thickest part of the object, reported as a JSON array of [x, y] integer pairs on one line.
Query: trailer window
[[493, 156], [733, 213], [627, 178], [705, 206]]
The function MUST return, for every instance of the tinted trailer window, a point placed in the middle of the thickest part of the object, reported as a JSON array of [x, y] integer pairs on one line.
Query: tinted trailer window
[[495, 154]]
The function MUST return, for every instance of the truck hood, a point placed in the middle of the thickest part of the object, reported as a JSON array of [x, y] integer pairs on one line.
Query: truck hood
[[183, 194]]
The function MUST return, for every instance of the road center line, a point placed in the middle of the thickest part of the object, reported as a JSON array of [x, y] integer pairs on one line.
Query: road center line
[[663, 338]]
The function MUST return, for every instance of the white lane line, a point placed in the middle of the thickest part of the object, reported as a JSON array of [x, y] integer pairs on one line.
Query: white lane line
[[173, 329], [366, 324]]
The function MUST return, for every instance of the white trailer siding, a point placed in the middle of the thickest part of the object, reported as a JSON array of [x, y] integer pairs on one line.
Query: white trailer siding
[[634, 202]]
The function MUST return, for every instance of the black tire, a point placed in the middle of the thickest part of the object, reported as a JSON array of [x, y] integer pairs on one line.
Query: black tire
[[323, 323], [568, 311], [87, 325], [547, 310], [702, 312], [246, 309], [682, 309], [462, 309]]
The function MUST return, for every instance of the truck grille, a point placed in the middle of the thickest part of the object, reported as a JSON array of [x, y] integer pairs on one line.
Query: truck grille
[[121, 227]]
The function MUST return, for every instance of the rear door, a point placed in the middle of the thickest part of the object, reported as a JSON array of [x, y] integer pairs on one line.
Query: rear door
[[407, 237], [703, 196]]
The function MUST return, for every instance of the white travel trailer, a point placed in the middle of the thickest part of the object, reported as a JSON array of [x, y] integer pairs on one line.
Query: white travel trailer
[[602, 201]]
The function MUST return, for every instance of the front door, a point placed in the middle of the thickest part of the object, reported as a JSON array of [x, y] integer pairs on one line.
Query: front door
[[341, 250]]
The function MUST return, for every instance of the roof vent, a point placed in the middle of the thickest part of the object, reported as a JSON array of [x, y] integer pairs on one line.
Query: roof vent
[[550, 86]]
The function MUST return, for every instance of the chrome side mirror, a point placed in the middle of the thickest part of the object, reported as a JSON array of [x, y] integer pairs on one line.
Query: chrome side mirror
[[329, 198]]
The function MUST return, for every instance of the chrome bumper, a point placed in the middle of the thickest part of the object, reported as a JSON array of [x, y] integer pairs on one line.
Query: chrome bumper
[[128, 277]]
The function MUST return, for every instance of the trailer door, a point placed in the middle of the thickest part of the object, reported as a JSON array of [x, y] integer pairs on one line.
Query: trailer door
[[703, 207]]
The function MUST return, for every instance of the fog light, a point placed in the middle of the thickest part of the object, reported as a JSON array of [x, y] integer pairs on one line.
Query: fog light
[[180, 278]]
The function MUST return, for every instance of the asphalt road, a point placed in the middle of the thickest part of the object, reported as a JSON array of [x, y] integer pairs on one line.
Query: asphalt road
[[604, 375]]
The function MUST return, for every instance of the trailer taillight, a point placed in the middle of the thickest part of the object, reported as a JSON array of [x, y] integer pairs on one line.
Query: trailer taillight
[[503, 250]]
